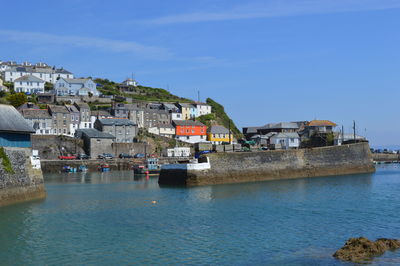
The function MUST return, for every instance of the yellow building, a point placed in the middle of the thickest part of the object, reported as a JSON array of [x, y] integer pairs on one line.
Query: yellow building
[[218, 135]]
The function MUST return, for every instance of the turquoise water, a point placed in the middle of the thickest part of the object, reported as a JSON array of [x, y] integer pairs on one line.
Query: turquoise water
[[113, 219]]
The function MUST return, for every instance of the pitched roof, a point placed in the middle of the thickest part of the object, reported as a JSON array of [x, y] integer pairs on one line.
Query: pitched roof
[[35, 113], [287, 125], [218, 130], [76, 81], [12, 121], [62, 71], [28, 105], [82, 105], [116, 122], [186, 123], [321, 123], [58, 109], [29, 78], [94, 133], [286, 135]]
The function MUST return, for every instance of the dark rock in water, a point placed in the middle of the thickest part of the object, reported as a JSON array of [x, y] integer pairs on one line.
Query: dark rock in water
[[362, 249]]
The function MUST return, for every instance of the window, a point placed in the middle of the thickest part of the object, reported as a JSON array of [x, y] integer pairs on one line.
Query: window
[[292, 140], [192, 130], [65, 131], [187, 137]]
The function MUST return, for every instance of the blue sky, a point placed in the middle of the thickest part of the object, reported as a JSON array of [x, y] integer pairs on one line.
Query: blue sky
[[265, 61]]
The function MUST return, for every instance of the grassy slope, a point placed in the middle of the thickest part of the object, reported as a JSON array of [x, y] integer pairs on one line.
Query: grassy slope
[[219, 117]]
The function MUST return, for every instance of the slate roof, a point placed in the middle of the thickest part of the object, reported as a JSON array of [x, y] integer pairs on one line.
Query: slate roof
[[218, 130], [116, 122], [29, 78], [76, 81], [93, 133], [250, 130], [286, 135], [62, 71], [28, 105], [35, 114], [187, 123], [321, 123], [12, 121], [289, 125], [82, 105], [58, 109]]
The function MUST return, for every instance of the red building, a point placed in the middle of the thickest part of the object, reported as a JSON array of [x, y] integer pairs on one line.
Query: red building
[[190, 131]]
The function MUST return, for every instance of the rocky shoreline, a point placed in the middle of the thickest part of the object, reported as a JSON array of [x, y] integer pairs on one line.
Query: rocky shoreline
[[360, 250]]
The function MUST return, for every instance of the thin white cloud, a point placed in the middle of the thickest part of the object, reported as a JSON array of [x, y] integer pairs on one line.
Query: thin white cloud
[[276, 8], [108, 45]]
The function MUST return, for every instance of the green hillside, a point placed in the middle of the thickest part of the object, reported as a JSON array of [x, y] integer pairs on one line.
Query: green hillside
[[219, 117], [139, 92]]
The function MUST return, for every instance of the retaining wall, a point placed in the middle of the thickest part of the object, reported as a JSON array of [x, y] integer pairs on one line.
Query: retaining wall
[[279, 164], [25, 183]]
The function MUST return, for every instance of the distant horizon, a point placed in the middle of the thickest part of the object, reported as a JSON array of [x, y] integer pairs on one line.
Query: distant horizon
[[265, 61]]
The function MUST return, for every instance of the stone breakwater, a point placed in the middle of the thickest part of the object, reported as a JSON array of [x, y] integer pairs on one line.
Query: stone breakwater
[[280, 164], [23, 183]]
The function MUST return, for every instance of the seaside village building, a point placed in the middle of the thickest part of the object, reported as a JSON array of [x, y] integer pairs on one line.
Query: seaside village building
[[95, 142], [39, 119], [75, 87], [10, 71], [29, 84], [164, 130], [14, 129], [190, 131], [122, 129], [219, 135]]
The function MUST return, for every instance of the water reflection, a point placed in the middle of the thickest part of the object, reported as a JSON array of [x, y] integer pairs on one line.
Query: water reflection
[[96, 177]]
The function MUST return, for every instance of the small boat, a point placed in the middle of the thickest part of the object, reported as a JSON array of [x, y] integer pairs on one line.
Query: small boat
[[140, 169], [82, 168], [104, 167], [151, 167], [69, 169]]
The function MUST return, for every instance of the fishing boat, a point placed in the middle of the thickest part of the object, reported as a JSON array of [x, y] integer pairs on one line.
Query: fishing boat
[[105, 167], [69, 169], [151, 166], [82, 168]]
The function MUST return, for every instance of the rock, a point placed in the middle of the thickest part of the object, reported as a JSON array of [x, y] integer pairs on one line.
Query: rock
[[362, 249]]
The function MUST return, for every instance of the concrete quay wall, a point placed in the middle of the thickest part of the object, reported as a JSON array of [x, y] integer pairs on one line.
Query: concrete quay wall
[[23, 183], [280, 164]]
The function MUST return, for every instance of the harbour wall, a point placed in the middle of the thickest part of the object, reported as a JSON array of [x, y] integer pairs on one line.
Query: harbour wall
[[279, 164], [56, 166], [19, 181], [386, 157]]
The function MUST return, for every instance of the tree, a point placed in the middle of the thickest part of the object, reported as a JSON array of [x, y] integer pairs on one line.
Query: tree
[[17, 99]]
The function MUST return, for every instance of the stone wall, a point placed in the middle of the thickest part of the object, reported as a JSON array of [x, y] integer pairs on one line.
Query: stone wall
[[51, 146], [280, 164], [25, 183], [386, 157]]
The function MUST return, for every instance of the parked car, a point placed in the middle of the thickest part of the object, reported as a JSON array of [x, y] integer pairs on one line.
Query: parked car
[[139, 155], [105, 156], [67, 157], [83, 156], [125, 156]]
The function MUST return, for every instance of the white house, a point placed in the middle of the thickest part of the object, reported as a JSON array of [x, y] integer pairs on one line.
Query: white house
[[130, 82], [29, 84], [42, 71], [286, 140], [164, 130], [75, 87], [177, 152], [202, 109]]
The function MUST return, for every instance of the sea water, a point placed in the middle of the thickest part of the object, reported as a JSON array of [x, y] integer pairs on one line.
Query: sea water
[[118, 219]]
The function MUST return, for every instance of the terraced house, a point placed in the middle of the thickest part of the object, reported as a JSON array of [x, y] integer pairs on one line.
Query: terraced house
[[122, 129], [219, 134], [39, 119], [61, 119], [75, 87], [29, 84], [190, 131]]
